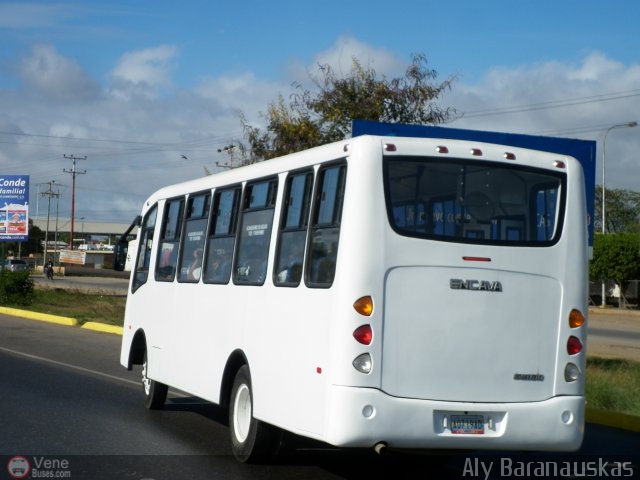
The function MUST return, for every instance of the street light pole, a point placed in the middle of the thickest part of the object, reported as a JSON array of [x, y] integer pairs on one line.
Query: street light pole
[[604, 217]]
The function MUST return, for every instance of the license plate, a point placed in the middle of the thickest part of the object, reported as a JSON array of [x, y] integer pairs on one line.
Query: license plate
[[467, 424]]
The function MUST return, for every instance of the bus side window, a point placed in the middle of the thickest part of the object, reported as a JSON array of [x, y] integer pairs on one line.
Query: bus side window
[[325, 228], [169, 240], [192, 247], [250, 267], [222, 235], [293, 230], [144, 248]]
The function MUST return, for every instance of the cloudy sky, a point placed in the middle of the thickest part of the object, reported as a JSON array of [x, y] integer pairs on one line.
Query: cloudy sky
[[135, 86]]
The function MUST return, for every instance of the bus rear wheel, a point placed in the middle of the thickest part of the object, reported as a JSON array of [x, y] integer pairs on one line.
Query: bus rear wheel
[[155, 393], [252, 441]]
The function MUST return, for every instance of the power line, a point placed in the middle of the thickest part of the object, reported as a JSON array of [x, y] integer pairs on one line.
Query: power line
[[552, 104]]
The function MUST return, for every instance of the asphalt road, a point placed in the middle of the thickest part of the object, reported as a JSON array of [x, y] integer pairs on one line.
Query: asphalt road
[[64, 397]]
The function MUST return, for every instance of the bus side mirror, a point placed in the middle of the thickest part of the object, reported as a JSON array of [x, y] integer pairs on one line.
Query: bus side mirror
[[120, 255], [122, 247]]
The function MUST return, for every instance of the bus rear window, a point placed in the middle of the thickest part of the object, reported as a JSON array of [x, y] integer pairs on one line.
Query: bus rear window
[[474, 202]]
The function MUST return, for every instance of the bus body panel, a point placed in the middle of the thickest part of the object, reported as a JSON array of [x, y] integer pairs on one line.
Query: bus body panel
[[445, 343]]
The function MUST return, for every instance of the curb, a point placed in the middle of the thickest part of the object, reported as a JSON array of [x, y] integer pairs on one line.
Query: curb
[[67, 321], [613, 419], [43, 317], [103, 327]]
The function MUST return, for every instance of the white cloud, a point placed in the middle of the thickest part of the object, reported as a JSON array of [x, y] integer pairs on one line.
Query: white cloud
[[340, 58], [341, 54], [47, 72], [242, 93], [595, 67], [144, 70]]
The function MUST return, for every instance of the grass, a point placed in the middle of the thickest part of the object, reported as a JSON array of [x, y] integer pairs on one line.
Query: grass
[[85, 307], [613, 385]]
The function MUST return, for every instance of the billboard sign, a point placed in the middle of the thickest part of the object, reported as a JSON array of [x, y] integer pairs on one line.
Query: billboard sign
[[14, 208]]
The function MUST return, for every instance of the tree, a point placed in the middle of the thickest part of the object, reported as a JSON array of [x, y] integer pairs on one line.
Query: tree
[[324, 115], [36, 235], [622, 210], [616, 257]]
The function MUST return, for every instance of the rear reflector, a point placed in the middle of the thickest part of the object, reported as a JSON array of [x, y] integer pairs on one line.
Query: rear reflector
[[476, 259]]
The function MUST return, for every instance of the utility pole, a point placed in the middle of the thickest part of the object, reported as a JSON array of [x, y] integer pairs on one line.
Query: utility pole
[[73, 173], [49, 193]]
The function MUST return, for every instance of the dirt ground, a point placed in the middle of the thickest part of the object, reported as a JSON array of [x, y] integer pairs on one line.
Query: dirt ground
[[615, 333]]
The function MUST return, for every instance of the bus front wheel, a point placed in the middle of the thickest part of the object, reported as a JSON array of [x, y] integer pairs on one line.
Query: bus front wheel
[[251, 440], [155, 393]]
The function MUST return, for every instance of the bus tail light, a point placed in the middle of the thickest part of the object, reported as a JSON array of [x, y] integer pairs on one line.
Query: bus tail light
[[574, 345], [576, 318], [571, 372], [364, 305], [363, 363], [363, 334]]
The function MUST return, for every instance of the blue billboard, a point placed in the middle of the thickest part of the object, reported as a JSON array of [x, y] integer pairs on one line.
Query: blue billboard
[[14, 208]]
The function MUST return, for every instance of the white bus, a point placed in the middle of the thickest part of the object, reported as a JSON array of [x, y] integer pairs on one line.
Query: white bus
[[374, 292]]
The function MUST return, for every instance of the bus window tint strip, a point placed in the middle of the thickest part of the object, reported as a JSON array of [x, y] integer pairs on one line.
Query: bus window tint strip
[[474, 202]]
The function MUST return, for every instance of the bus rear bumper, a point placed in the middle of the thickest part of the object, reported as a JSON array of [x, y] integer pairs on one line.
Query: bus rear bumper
[[364, 417]]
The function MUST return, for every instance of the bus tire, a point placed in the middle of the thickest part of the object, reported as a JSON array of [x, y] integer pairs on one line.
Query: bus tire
[[155, 393], [252, 441]]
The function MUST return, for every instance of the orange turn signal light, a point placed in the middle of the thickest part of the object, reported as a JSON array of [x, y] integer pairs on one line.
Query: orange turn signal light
[[576, 318], [364, 305]]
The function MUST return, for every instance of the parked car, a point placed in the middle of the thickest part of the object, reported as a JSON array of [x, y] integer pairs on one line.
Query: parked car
[[15, 265]]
